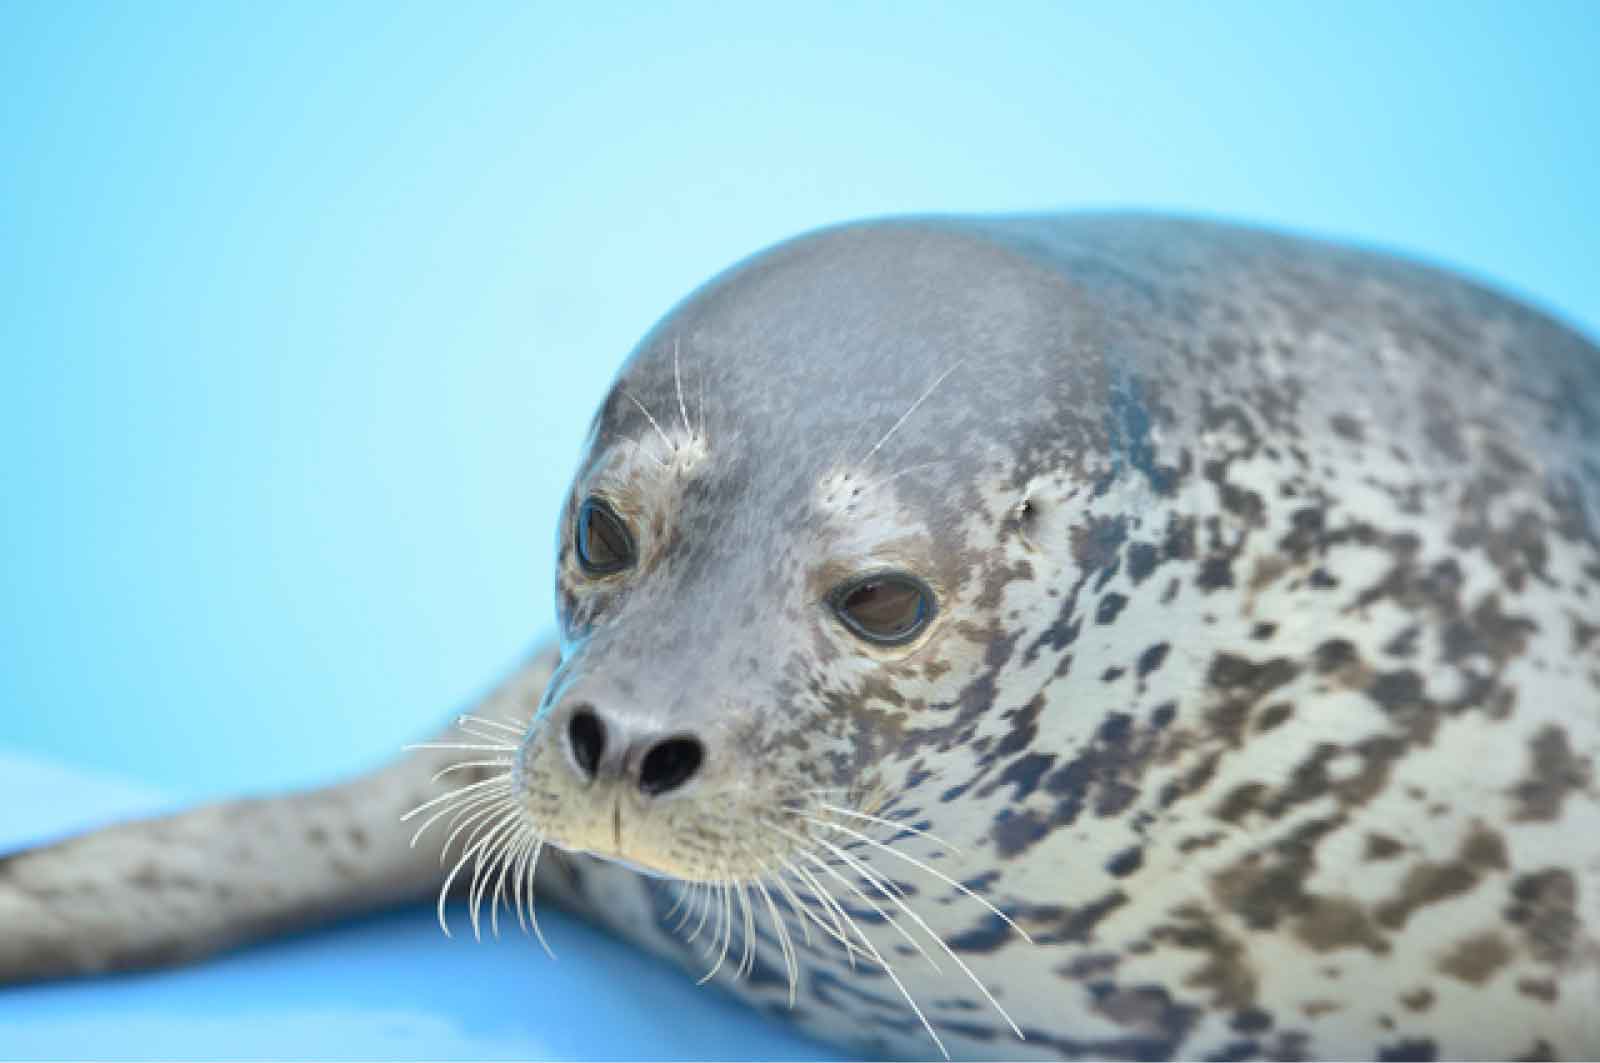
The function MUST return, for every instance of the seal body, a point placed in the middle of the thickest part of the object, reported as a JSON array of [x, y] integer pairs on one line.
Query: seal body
[[1105, 636], [1264, 690]]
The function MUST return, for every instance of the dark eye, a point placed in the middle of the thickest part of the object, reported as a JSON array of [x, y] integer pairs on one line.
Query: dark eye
[[603, 542], [886, 609]]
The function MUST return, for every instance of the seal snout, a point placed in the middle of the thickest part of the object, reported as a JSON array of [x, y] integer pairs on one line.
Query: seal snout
[[606, 752]]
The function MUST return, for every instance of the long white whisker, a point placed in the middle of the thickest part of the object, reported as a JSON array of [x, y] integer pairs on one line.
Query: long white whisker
[[489, 721], [705, 910], [896, 824], [502, 779], [499, 762], [533, 918], [681, 891], [865, 899], [471, 802], [505, 888], [653, 424], [483, 869], [444, 891], [485, 734], [830, 907], [724, 923], [914, 917], [471, 748], [747, 958], [906, 416], [479, 821], [677, 380], [791, 966], [875, 484], [914, 862], [884, 963]]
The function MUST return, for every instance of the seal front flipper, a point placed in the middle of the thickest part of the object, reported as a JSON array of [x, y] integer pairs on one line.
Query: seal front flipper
[[163, 891]]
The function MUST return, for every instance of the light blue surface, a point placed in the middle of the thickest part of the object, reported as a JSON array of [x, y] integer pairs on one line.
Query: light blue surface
[[391, 987], [304, 307]]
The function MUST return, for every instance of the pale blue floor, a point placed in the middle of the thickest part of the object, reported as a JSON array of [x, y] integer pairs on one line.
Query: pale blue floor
[[387, 987]]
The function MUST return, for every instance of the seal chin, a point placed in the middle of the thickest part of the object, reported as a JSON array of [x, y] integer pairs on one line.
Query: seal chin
[[631, 865]]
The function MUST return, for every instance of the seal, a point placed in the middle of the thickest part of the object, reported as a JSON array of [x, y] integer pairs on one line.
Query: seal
[[1084, 635]]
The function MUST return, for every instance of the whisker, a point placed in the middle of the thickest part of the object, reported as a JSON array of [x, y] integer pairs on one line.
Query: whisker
[[502, 779], [444, 890], [504, 832], [533, 918], [914, 862], [793, 900], [724, 923], [497, 748], [485, 734], [653, 424], [747, 959], [488, 721], [705, 911], [914, 917], [831, 909], [479, 820], [472, 801], [875, 484], [906, 416], [513, 871], [897, 825], [888, 968], [500, 762], [677, 381], [865, 899], [682, 891], [790, 964]]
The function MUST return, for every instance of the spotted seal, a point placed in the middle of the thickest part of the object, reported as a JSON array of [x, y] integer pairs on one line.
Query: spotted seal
[[1108, 636]]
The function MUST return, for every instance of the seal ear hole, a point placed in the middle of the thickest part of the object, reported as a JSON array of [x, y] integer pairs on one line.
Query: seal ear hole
[[604, 544], [887, 609]]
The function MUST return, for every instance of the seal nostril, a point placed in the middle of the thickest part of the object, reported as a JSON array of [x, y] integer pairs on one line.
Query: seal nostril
[[670, 764], [587, 736]]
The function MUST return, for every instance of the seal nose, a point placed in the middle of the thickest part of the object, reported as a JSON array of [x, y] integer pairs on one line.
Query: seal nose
[[655, 765]]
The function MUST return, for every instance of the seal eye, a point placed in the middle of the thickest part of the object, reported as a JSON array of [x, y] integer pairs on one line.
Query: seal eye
[[603, 542], [888, 609]]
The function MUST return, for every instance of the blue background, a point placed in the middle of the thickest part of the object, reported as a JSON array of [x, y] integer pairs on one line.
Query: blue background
[[304, 307]]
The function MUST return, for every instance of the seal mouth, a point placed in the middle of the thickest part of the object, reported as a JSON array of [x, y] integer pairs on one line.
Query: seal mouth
[[807, 868]]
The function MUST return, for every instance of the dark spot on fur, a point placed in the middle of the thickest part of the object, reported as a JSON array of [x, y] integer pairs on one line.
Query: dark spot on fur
[[1410, 1050], [1141, 561], [1273, 716], [1382, 847], [1227, 972], [1542, 989], [1418, 1000], [1110, 605], [1216, 573], [1476, 959], [1554, 772], [1152, 658], [1544, 906], [1126, 862]]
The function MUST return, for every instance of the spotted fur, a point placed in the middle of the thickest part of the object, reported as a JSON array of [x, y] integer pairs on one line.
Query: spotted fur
[[1264, 687]]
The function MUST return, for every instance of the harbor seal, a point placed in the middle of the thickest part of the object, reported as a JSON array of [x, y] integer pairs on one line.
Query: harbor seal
[[1085, 635]]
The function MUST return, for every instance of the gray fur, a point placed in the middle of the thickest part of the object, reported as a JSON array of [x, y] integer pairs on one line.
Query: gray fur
[[1263, 691]]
